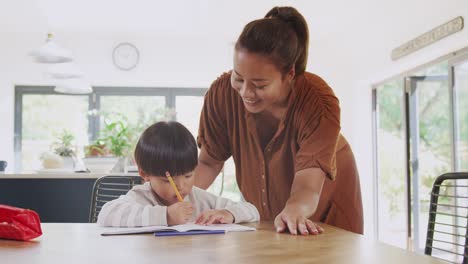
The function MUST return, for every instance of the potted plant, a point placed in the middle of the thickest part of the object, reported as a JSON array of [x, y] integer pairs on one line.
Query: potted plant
[[63, 147], [96, 149], [117, 136], [108, 153]]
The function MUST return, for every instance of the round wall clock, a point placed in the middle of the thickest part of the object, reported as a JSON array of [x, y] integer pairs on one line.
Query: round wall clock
[[125, 56]]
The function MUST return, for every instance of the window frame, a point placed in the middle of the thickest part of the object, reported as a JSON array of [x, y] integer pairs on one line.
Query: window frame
[[452, 59], [94, 100]]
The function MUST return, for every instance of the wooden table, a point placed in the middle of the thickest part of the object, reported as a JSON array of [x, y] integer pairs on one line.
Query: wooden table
[[82, 243]]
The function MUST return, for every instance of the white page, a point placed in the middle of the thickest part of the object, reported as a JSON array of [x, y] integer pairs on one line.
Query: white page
[[225, 227], [182, 228]]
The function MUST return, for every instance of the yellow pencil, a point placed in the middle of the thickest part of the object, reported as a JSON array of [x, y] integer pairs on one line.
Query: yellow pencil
[[174, 186]]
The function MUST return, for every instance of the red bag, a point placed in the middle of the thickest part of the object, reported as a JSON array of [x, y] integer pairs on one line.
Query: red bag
[[19, 224]]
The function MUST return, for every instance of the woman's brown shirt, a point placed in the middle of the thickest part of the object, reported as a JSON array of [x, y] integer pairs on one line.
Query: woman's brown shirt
[[307, 137]]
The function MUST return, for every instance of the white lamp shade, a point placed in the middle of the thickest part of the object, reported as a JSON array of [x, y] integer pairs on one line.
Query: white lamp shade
[[73, 86], [50, 52], [64, 71]]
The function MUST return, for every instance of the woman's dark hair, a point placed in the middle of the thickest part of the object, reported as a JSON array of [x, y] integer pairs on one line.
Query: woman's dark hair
[[166, 146], [282, 36]]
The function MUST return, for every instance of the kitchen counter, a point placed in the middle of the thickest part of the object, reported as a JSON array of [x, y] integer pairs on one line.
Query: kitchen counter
[[56, 197]]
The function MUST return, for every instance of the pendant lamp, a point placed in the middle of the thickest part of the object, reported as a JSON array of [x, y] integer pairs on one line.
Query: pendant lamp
[[73, 86], [64, 71], [51, 52]]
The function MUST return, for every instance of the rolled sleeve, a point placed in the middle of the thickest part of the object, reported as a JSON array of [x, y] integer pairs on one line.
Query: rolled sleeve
[[318, 150], [213, 132], [319, 131]]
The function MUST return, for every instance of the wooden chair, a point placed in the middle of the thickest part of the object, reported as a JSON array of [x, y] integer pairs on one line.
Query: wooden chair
[[108, 188], [448, 216]]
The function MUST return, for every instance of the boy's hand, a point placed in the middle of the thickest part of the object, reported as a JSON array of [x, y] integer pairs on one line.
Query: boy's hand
[[215, 217], [179, 213]]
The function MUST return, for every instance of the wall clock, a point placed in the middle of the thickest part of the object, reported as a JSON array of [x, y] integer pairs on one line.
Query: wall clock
[[125, 56]]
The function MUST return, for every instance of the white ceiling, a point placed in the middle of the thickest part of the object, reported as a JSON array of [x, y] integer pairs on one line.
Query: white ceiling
[[205, 16], [340, 30], [201, 17], [127, 15]]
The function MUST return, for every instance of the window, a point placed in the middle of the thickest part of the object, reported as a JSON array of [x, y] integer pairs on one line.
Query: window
[[392, 167], [188, 111], [44, 117], [461, 115], [41, 115], [420, 133]]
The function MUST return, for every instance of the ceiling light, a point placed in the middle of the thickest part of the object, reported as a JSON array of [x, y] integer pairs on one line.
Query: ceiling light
[[64, 71], [50, 52], [73, 86]]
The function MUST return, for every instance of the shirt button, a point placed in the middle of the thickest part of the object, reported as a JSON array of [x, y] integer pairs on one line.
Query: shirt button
[[263, 190], [264, 204], [263, 176]]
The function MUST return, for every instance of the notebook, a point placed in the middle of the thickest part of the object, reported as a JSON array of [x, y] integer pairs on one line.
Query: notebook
[[179, 228]]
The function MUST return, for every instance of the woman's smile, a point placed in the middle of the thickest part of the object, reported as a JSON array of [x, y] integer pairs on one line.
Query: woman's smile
[[250, 102]]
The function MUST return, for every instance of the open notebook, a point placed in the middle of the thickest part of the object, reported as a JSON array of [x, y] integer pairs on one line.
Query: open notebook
[[179, 228]]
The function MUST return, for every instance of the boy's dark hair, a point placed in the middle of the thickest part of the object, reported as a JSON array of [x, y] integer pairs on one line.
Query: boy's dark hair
[[282, 36], [166, 146]]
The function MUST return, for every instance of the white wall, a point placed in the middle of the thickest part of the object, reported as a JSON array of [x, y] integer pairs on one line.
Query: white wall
[[350, 48], [390, 25]]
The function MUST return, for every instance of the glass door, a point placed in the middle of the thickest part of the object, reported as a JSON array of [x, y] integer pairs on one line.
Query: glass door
[[391, 167], [460, 100], [430, 129], [420, 132], [460, 139]]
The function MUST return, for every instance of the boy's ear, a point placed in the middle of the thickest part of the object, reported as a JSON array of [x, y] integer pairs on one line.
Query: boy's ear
[[143, 175]]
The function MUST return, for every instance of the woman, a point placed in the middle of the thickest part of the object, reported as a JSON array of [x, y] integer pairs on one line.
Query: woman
[[281, 125]]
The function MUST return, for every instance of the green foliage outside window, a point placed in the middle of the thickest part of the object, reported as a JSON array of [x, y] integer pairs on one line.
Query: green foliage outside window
[[119, 136], [116, 136], [63, 146], [435, 132]]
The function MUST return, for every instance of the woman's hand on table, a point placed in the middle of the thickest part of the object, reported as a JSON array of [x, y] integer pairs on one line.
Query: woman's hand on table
[[305, 194], [291, 219]]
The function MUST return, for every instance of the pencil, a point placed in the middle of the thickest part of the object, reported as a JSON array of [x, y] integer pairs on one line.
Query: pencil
[[168, 175]]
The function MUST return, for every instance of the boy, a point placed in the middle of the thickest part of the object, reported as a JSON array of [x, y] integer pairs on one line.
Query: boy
[[164, 149]]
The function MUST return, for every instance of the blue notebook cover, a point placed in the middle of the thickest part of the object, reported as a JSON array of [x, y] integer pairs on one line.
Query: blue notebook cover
[[190, 233]]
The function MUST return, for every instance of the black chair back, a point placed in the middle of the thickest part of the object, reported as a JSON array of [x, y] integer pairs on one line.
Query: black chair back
[[108, 188], [448, 216]]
